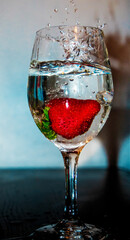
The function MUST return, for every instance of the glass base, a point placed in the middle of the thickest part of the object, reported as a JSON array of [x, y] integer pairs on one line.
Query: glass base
[[71, 230]]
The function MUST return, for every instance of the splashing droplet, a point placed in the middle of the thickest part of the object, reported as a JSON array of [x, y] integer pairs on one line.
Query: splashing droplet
[[72, 1], [55, 10], [98, 20], [102, 25], [77, 23]]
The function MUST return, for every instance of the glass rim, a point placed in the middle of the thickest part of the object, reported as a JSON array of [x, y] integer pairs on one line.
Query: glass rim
[[47, 28]]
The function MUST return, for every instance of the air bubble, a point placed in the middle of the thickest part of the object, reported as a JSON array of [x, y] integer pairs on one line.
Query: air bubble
[[61, 90]]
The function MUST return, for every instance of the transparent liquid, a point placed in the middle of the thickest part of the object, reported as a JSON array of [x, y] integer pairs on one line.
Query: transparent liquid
[[74, 80]]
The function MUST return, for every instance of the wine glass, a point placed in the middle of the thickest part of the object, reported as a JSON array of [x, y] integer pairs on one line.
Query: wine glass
[[70, 91]]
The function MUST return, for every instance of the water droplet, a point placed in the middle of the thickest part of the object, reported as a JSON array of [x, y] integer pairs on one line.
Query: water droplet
[[98, 20], [76, 9], [66, 9], [71, 79], [78, 23], [72, 1], [48, 24], [102, 25], [86, 85], [55, 10]]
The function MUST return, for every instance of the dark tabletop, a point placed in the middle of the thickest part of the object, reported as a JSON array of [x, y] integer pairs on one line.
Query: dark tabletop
[[32, 198]]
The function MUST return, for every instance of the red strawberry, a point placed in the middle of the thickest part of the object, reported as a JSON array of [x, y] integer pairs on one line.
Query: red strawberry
[[72, 117]]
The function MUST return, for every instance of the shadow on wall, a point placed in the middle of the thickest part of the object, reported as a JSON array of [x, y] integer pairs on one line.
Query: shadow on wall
[[117, 128]]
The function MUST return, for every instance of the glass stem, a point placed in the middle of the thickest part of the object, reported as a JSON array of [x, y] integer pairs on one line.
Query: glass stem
[[70, 164]]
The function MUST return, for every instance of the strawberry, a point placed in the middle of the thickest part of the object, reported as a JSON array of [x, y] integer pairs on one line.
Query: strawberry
[[72, 117]]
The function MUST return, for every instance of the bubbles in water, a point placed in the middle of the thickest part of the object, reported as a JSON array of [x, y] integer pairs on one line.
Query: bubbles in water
[[66, 83], [66, 92], [57, 82], [61, 90]]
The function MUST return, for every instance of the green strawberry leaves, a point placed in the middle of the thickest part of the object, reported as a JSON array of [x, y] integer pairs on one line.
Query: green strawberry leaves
[[46, 110], [45, 125]]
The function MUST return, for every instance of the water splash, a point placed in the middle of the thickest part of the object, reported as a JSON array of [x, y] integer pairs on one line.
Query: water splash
[[99, 24], [102, 26], [55, 10], [77, 23]]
